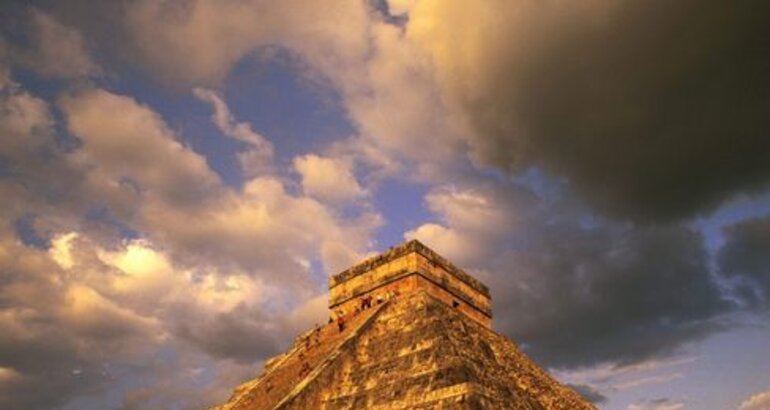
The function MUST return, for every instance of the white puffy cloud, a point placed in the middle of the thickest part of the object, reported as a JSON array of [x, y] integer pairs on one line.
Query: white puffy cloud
[[106, 314], [445, 240], [157, 185], [329, 179], [397, 104], [206, 281], [60, 327], [61, 249], [471, 209], [385, 78], [759, 401], [197, 42], [258, 158], [135, 152], [473, 221]]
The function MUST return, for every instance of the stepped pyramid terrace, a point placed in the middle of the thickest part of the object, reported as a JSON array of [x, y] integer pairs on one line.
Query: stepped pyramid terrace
[[411, 331]]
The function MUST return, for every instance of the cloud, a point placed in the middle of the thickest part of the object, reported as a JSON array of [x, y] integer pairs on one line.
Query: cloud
[[611, 378], [258, 158], [200, 286], [577, 290], [55, 50], [157, 185], [474, 222], [108, 315], [136, 149], [386, 82], [644, 381], [239, 335], [61, 249], [745, 259], [448, 241], [197, 42], [170, 386], [612, 294], [759, 401], [589, 393], [649, 121], [35, 176], [200, 294], [329, 179], [396, 101], [656, 404], [400, 7], [57, 330], [27, 128]]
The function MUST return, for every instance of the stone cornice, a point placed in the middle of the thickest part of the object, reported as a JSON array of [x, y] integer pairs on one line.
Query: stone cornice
[[402, 250]]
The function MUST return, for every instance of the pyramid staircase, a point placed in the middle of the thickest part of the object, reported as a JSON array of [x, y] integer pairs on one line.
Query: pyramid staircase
[[285, 372]]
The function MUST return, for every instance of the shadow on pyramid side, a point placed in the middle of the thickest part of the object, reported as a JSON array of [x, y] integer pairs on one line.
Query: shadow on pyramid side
[[416, 349]]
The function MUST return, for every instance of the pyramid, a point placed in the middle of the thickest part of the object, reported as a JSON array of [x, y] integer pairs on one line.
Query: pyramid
[[415, 333]]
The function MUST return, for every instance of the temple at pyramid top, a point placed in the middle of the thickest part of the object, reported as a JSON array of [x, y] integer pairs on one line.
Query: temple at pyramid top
[[407, 268]]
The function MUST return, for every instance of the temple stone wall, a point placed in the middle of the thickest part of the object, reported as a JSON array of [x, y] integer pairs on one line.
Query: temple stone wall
[[461, 305], [369, 280], [408, 268], [439, 275]]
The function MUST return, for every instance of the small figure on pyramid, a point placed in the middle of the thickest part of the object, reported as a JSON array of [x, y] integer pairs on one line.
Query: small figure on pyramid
[[341, 323]]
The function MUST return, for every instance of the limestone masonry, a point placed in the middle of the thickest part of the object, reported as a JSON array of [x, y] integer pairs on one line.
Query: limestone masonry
[[410, 331], [405, 269]]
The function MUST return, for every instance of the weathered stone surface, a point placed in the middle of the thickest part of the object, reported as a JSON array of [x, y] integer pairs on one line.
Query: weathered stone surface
[[399, 251], [413, 351], [405, 269]]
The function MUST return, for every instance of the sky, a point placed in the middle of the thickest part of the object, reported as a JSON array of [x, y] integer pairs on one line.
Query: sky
[[179, 178]]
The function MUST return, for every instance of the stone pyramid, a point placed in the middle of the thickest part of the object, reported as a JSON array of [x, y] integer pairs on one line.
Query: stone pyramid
[[415, 333]]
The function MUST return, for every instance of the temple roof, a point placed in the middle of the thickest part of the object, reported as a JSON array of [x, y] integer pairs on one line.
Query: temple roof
[[400, 251]]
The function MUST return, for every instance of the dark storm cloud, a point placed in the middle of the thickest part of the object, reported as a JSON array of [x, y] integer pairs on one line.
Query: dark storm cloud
[[579, 296], [654, 109], [745, 258], [576, 289], [239, 335]]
